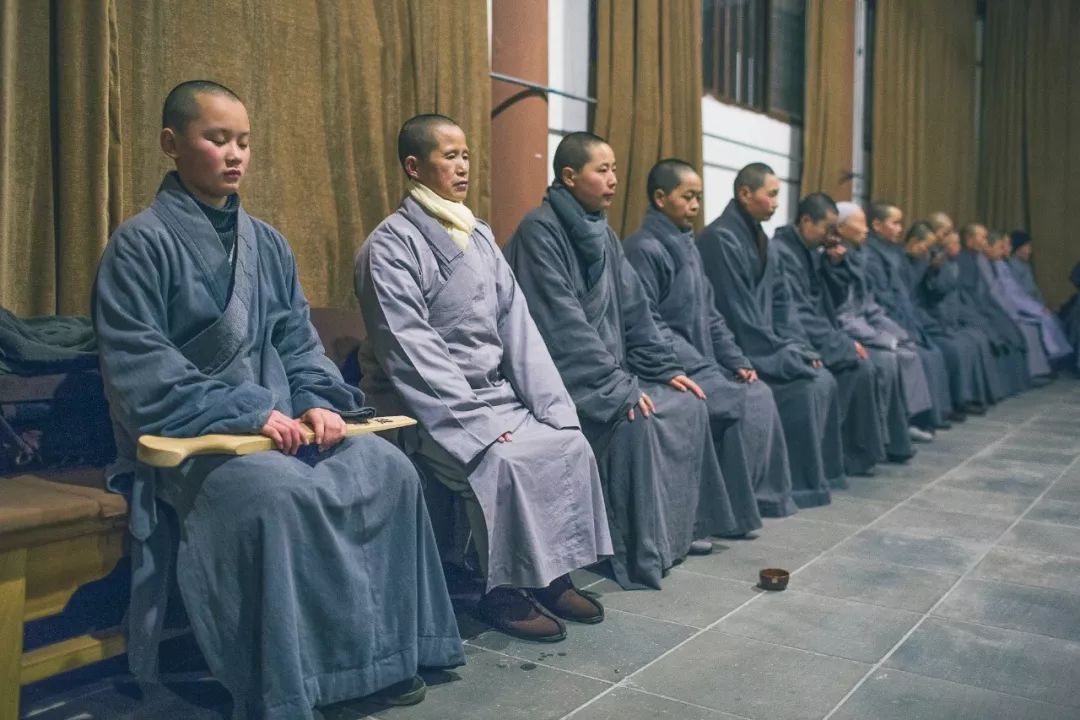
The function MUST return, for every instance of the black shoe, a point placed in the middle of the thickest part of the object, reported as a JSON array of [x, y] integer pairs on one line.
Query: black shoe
[[958, 416], [975, 409]]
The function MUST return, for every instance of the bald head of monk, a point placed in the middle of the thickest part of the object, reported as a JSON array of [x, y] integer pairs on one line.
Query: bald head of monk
[[585, 165], [206, 132], [757, 190], [433, 151], [887, 220], [675, 189]]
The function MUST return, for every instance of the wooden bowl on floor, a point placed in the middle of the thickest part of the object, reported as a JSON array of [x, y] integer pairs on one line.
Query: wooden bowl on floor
[[773, 579]]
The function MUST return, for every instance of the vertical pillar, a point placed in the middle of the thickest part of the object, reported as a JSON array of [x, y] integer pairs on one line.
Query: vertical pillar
[[519, 122]]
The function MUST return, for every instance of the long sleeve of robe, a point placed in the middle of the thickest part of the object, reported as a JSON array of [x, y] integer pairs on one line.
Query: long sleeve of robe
[[763, 325], [742, 269], [813, 305], [189, 347], [451, 341], [662, 480], [747, 430]]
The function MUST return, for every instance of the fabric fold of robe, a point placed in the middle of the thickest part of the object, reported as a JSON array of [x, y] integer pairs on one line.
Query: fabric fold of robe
[[662, 481], [451, 342], [743, 270], [868, 389], [886, 273], [308, 580], [747, 430], [862, 318]]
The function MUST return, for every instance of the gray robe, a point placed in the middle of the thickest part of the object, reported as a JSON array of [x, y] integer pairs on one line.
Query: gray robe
[[308, 580], [1022, 358], [886, 271], [746, 423], [1027, 311], [1069, 314], [752, 296], [662, 481], [861, 317], [450, 342], [937, 294], [1025, 276], [870, 393]]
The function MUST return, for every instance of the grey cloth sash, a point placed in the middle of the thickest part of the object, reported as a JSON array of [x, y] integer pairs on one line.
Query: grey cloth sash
[[587, 231]]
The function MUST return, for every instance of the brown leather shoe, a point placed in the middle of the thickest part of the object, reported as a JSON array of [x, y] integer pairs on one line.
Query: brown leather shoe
[[569, 603], [512, 611]]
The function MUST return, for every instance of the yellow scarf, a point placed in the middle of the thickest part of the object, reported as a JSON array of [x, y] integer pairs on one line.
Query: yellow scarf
[[454, 216]]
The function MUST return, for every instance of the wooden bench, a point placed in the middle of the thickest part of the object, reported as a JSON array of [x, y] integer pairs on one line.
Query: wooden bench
[[60, 530]]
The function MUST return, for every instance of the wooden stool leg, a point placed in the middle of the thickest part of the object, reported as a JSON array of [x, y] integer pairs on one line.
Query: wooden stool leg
[[12, 605]]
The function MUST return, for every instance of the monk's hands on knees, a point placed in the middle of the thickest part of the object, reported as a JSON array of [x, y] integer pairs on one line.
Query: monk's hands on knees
[[747, 375], [645, 404], [685, 384], [505, 437], [286, 432], [328, 426]]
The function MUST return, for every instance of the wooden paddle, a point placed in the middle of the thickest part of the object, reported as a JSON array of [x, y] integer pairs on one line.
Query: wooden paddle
[[167, 452]]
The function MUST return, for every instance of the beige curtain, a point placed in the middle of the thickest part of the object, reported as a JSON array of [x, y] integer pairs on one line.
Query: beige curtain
[[1031, 131], [648, 93], [327, 85], [924, 156], [1002, 196], [1053, 141], [829, 100]]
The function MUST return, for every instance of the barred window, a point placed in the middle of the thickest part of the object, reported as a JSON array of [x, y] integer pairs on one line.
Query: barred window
[[753, 54]]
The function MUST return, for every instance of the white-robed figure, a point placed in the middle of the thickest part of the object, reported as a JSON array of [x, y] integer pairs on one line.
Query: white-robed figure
[[451, 342], [310, 577]]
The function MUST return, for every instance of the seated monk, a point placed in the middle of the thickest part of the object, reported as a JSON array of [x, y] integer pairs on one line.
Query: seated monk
[[451, 342], [865, 320], [751, 294], [642, 415], [868, 383], [310, 577], [746, 426]]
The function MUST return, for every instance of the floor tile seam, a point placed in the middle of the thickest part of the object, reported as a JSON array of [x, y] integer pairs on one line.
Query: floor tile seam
[[858, 529], [995, 689], [773, 643], [967, 572], [991, 626], [800, 591], [1033, 553], [649, 617], [718, 713], [862, 601], [540, 663], [976, 687], [1001, 581], [1057, 524], [903, 565], [625, 682]]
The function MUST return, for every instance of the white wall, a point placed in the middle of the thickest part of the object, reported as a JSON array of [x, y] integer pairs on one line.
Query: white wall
[[734, 138], [568, 70]]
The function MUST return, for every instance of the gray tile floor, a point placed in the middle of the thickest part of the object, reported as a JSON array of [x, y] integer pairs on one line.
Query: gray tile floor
[[945, 589]]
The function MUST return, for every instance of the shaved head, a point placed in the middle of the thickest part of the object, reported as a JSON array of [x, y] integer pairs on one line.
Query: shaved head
[[575, 151], [417, 135], [181, 104], [880, 210], [752, 177], [667, 175]]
